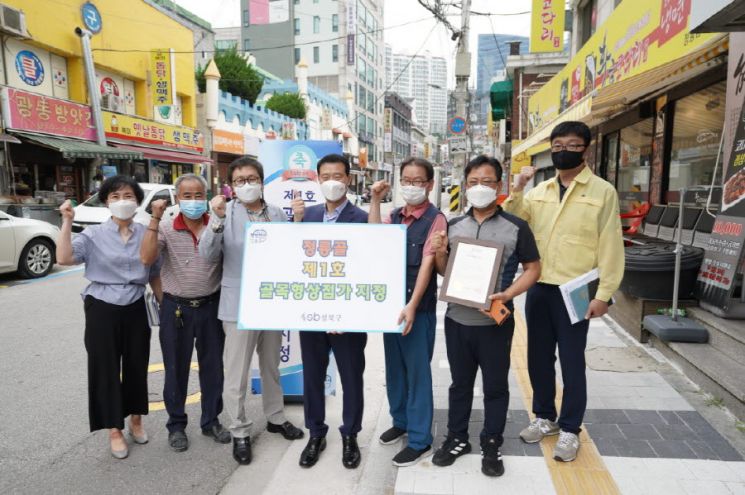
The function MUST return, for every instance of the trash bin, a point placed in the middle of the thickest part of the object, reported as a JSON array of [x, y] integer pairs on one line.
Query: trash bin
[[650, 271]]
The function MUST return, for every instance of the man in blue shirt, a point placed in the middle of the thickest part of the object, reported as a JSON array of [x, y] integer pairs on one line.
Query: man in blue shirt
[[348, 348]]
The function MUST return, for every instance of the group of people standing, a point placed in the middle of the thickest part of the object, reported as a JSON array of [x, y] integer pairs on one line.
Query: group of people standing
[[558, 230]]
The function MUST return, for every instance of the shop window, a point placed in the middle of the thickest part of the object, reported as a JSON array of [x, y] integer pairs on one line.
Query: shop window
[[697, 128], [634, 164]]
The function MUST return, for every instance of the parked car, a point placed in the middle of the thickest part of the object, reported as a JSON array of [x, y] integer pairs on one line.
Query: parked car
[[93, 211], [26, 246]]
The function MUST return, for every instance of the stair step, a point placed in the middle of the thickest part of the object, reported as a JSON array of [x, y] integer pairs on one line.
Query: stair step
[[716, 365], [728, 336]]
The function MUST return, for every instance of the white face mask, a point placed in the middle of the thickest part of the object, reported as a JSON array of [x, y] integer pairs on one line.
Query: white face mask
[[123, 209], [248, 193], [414, 195], [333, 190], [481, 196]]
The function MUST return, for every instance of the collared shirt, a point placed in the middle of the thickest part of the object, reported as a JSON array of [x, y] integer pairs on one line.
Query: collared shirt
[[334, 215], [519, 247], [113, 267], [562, 189], [257, 216], [576, 234], [185, 273], [409, 214]]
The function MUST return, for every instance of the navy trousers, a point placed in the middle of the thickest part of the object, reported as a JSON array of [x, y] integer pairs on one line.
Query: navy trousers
[[408, 377], [203, 330], [349, 352], [470, 348], [549, 326]]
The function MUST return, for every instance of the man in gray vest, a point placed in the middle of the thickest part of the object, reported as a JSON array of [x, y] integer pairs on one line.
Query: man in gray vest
[[225, 237]]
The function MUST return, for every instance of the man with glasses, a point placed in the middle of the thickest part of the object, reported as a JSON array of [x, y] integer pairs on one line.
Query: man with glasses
[[473, 338], [408, 355], [348, 348], [225, 238], [576, 221]]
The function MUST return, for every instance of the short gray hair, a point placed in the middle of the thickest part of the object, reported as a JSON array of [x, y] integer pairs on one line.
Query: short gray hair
[[196, 177]]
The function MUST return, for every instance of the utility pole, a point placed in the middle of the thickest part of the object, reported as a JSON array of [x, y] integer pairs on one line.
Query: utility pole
[[462, 73]]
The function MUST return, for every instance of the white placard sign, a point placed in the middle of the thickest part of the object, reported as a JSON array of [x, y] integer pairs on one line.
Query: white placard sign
[[323, 277]]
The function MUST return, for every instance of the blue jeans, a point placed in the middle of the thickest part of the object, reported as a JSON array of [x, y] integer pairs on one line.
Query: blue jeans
[[409, 379]]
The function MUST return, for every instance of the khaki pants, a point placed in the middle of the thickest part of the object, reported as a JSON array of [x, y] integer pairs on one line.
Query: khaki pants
[[239, 349]]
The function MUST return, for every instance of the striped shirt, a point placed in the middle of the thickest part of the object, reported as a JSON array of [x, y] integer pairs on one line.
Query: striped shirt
[[185, 273]]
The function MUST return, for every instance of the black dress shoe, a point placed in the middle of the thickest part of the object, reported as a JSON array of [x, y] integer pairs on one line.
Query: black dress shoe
[[312, 451], [242, 450], [287, 429], [178, 441], [350, 456], [220, 434]]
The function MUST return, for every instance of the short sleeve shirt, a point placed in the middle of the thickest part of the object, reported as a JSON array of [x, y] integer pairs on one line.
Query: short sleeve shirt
[[410, 214], [519, 247]]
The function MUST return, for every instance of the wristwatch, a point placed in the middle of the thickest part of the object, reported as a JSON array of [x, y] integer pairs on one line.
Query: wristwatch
[[217, 225]]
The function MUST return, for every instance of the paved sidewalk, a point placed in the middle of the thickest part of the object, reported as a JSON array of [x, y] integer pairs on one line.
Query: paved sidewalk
[[642, 434]]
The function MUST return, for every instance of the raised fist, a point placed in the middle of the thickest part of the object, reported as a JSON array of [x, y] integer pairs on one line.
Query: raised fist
[[218, 205], [158, 207], [67, 211], [526, 173], [440, 242], [380, 189], [298, 206]]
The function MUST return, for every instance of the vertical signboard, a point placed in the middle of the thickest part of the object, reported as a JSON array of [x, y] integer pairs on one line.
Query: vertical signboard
[[160, 71], [388, 131], [351, 29], [547, 26]]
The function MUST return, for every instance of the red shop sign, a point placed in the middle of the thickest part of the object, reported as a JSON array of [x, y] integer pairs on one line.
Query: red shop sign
[[24, 111]]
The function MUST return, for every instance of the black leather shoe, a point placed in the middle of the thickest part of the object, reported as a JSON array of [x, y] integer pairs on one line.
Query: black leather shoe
[[220, 434], [178, 441], [350, 456], [242, 450], [312, 451], [287, 429]]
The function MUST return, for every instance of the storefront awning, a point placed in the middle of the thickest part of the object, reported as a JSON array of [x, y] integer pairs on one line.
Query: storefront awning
[[579, 111], [615, 97], [73, 148], [163, 155]]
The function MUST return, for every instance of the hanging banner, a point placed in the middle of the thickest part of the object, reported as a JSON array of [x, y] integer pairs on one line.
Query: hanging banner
[[331, 278], [290, 170], [161, 87], [638, 36], [351, 30], [547, 26]]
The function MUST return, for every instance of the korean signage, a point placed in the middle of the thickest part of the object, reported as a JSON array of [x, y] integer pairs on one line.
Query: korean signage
[[638, 36], [547, 26], [520, 160], [326, 119], [290, 170], [331, 278], [724, 249], [161, 86], [26, 111], [388, 131], [267, 12], [129, 128], [351, 30], [227, 142]]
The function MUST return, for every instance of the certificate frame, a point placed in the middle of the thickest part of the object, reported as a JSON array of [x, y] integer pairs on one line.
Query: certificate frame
[[495, 263]]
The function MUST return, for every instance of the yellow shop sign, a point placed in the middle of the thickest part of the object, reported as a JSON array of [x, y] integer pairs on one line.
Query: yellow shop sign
[[638, 36], [143, 131]]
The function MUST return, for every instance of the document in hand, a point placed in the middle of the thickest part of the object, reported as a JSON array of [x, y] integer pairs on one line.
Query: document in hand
[[578, 293]]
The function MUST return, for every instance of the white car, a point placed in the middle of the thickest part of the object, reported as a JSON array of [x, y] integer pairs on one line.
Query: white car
[[26, 246], [93, 211]]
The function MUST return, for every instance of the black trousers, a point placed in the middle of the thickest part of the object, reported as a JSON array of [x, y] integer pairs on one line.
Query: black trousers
[[349, 352], [117, 339], [470, 348], [203, 330], [549, 326]]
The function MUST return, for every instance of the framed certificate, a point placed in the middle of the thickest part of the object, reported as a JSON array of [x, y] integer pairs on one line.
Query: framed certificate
[[471, 274]]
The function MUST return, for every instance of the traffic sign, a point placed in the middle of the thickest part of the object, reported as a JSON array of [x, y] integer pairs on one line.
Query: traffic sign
[[457, 125], [458, 144]]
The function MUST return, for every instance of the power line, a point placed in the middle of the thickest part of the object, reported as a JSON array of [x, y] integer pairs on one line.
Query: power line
[[288, 45]]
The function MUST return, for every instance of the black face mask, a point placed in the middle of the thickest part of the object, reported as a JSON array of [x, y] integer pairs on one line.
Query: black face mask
[[566, 160]]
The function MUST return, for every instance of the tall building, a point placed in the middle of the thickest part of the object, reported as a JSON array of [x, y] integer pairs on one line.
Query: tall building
[[340, 41], [423, 78], [493, 50]]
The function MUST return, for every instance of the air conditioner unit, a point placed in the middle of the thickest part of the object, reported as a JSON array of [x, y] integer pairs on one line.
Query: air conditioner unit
[[13, 22], [111, 102]]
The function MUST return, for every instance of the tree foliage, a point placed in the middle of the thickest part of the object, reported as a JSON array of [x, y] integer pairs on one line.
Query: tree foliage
[[237, 77], [290, 104]]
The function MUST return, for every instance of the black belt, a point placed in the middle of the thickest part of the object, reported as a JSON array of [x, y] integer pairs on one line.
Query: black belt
[[193, 302]]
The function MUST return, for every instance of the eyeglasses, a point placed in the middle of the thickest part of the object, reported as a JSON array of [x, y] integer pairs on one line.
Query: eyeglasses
[[414, 182], [483, 182], [569, 147], [242, 181]]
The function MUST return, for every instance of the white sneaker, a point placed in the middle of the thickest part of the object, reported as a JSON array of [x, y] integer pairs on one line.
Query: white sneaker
[[537, 429], [567, 447]]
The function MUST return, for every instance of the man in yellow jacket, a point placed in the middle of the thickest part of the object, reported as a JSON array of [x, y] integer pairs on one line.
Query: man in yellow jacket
[[576, 223]]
